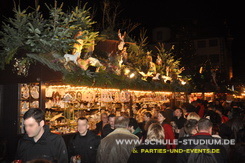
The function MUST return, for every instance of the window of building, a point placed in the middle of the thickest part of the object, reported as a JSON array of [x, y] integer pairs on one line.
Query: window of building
[[201, 44], [213, 42]]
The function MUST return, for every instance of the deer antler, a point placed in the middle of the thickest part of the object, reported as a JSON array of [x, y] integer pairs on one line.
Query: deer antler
[[124, 34], [120, 36]]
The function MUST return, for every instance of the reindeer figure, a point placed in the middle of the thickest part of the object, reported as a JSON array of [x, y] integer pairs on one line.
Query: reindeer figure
[[121, 38], [76, 52], [71, 57]]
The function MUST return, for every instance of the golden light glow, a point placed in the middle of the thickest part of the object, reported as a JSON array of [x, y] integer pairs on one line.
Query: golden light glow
[[209, 94], [85, 88], [183, 82], [126, 71], [131, 75]]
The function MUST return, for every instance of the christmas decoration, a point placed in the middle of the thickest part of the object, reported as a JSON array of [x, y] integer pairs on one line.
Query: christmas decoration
[[21, 66], [66, 42]]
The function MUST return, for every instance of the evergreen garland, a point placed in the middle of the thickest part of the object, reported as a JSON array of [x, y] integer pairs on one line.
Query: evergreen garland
[[37, 36], [46, 40]]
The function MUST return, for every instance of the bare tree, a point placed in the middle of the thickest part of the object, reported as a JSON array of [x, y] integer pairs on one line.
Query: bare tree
[[36, 3], [129, 26], [111, 10]]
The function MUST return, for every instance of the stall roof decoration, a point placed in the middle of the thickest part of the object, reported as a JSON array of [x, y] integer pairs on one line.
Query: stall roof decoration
[[73, 87], [67, 93], [65, 42]]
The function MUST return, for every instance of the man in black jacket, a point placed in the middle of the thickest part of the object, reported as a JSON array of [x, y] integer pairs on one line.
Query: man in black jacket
[[202, 147], [84, 143], [101, 124], [39, 142], [108, 128]]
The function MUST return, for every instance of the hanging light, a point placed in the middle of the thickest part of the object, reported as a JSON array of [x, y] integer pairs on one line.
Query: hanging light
[[132, 75], [183, 82]]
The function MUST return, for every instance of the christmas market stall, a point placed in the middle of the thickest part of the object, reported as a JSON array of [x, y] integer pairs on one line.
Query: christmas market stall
[[61, 65]]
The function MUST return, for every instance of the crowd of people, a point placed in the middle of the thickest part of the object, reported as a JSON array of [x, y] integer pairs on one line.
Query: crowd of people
[[159, 134]]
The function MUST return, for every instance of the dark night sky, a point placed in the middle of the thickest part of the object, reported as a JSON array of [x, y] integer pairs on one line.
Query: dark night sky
[[155, 13], [209, 14]]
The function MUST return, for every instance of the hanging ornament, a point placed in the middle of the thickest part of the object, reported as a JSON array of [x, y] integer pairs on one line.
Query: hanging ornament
[[21, 66]]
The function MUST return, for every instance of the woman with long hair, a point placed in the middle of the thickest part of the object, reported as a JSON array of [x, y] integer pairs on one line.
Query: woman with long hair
[[168, 130], [154, 142]]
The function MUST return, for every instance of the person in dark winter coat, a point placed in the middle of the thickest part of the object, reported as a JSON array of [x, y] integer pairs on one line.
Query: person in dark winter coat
[[147, 122], [189, 129], [202, 140], [134, 127], [101, 124], [213, 116], [39, 142], [116, 147], [84, 143], [179, 120], [108, 128]]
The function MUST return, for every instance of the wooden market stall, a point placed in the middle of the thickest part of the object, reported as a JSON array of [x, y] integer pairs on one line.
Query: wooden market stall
[[64, 104]]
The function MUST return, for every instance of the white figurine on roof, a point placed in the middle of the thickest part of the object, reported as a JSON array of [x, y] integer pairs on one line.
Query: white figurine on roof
[[76, 52]]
